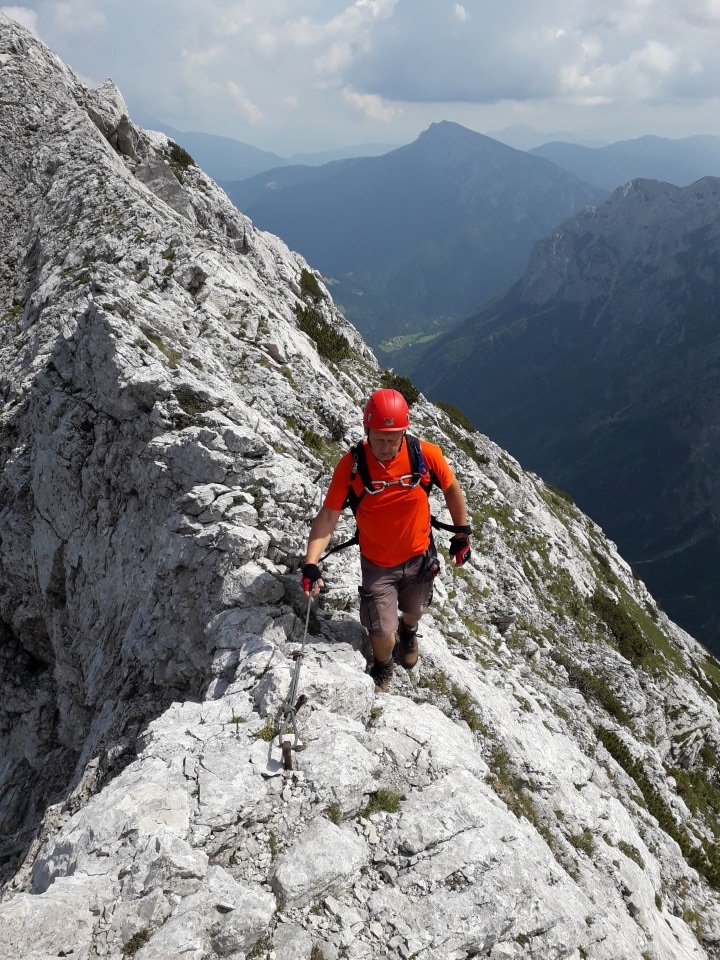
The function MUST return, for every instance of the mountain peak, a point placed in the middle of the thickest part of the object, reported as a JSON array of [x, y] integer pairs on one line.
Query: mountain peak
[[446, 128], [448, 131], [440, 225]]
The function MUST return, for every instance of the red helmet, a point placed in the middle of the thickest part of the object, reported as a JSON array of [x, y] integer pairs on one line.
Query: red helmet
[[386, 410]]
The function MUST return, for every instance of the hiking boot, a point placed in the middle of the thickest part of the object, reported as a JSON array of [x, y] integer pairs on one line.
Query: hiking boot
[[382, 674], [406, 648]]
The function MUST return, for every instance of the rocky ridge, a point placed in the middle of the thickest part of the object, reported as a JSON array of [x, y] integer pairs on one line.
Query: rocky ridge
[[174, 387]]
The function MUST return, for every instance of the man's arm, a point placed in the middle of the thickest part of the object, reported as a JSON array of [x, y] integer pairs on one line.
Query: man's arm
[[460, 543], [455, 501], [321, 530]]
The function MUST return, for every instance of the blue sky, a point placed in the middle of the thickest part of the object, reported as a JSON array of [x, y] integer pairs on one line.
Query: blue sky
[[305, 75]]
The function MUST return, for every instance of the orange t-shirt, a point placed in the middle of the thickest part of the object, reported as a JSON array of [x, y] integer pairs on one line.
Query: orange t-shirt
[[394, 524]]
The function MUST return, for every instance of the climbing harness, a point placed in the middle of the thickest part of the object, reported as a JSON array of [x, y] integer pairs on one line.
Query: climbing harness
[[420, 472], [286, 723]]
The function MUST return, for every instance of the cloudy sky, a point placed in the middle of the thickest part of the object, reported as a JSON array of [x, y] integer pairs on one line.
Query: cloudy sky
[[306, 75]]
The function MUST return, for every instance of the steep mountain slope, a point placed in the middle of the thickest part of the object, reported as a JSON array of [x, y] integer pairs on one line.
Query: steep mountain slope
[[415, 240], [222, 157], [541, 786], [680, 162], [600, 370]]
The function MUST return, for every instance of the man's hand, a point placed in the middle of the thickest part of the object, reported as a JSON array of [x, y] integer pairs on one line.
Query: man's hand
[[460, 548], [311, 579]]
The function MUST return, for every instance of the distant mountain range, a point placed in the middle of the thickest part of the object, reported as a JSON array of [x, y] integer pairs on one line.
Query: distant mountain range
[[227, 159], [415, 240], [605, 166], [524, 137], [600, 370], [680, 162]]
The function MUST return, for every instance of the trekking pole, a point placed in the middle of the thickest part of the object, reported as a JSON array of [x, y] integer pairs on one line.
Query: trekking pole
[[286, 723]]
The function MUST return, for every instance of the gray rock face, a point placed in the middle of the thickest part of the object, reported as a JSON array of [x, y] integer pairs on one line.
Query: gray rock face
[[318, 863], [537, 787]]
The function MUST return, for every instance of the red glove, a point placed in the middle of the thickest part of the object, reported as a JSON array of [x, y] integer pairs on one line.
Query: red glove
[[310, 576], [460, 548]]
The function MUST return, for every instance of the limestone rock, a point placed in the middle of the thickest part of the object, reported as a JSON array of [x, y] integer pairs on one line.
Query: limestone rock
[[321, 860]]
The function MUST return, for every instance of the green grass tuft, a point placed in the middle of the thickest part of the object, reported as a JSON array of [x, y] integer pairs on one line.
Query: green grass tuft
[[135, 943], [331, 345], [456, 415], [395, 381], [191, 402], [310, 286], [705, 857], [631, 641], [382, 800]]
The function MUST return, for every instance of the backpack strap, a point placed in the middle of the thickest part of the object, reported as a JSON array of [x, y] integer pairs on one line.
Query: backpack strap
[[355, 539], [420, 469], [452, 528], [359, 467], [352, 499]]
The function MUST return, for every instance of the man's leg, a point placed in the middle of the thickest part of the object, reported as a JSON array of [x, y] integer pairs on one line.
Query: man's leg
[[407, 652], [383, 668], [414, 597], [409, 621], [378, 614], [382, 645]]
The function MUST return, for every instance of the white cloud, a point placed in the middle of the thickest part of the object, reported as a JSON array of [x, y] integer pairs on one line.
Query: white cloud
[[27, 18], [640, 76], [332, 64], [78, 16], [370, 106], [525, 51], [379, 9], [197, 59], [657, 57], [232, 23], [591, 48], [351, 66], [266, 43], [249, 110]]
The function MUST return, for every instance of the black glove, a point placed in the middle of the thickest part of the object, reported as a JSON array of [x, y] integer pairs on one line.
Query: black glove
[[460, 548], [310, 576]]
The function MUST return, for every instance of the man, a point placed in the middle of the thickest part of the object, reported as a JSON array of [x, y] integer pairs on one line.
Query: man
[[392, 511]]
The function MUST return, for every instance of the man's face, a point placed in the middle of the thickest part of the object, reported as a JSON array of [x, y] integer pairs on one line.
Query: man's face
[[385, 444]]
